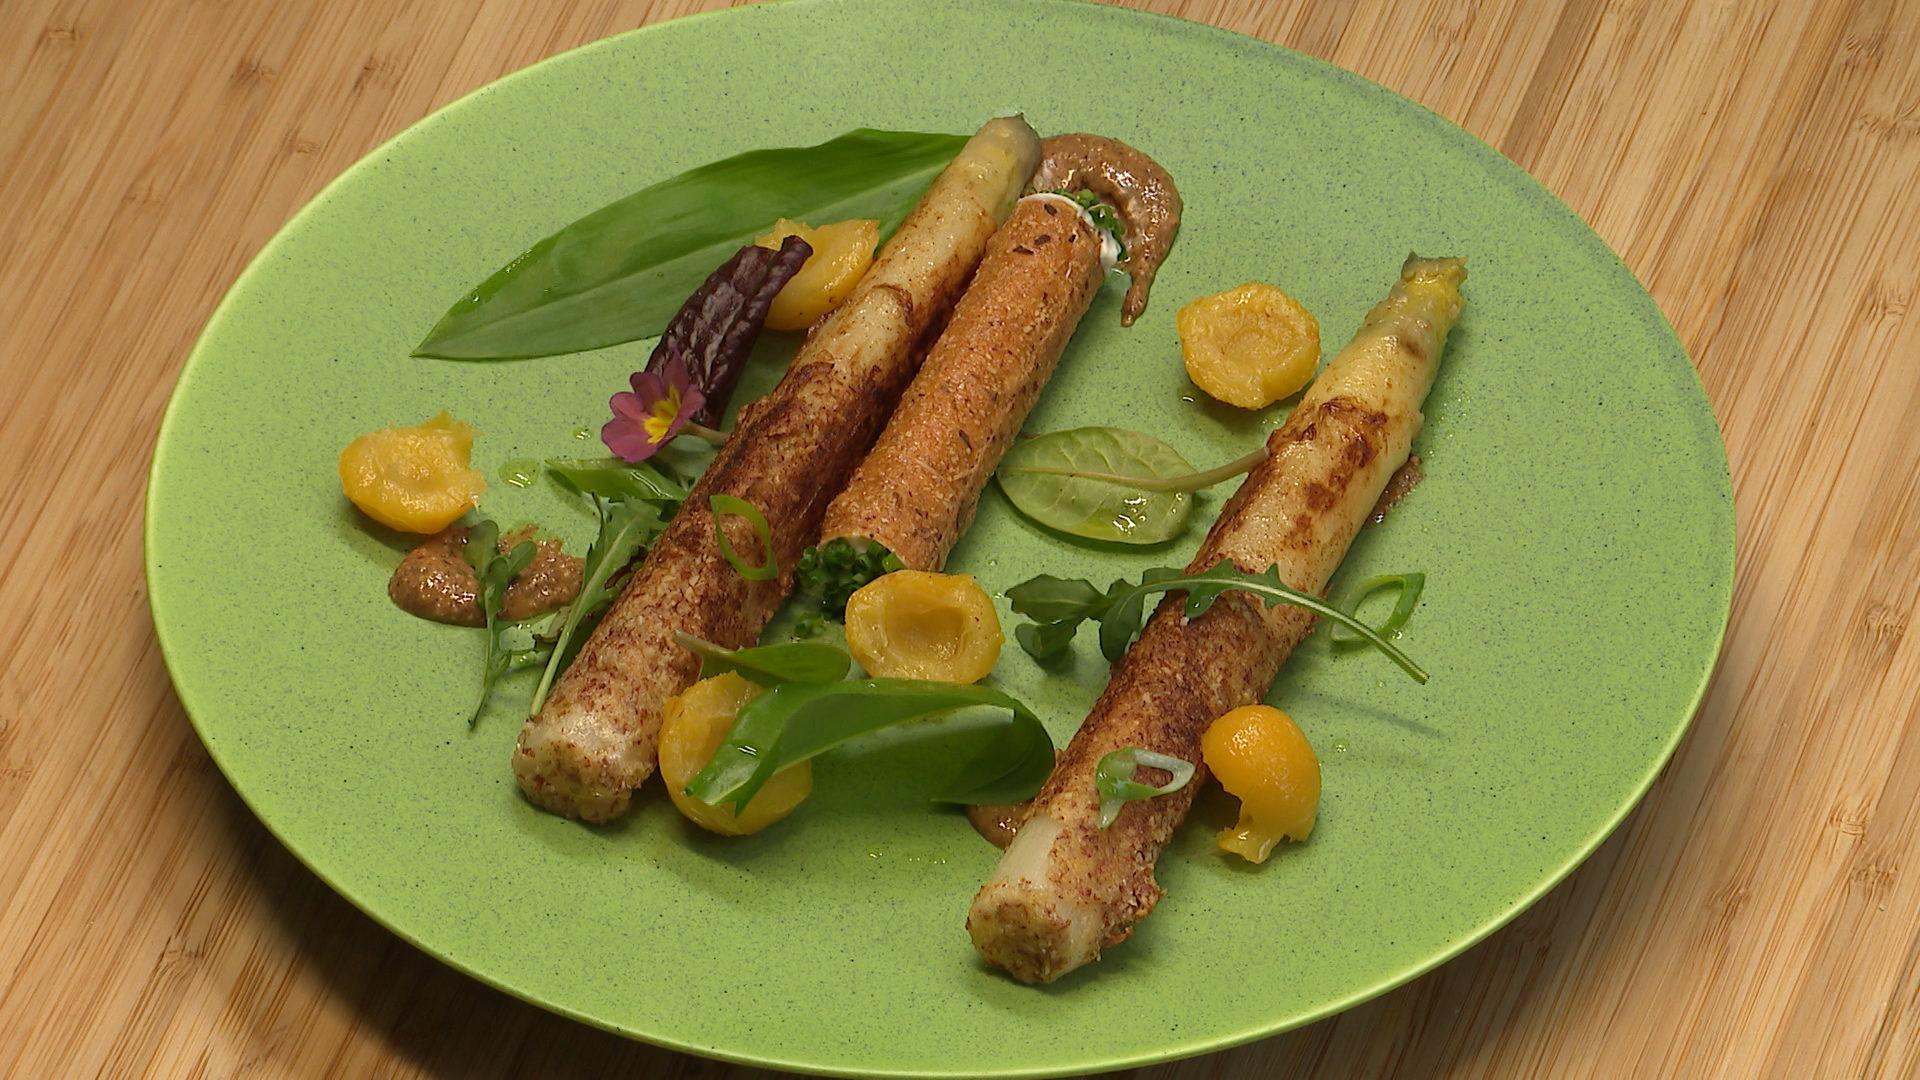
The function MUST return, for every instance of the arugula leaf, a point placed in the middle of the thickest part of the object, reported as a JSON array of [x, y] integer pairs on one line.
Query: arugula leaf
[[627, 525], [495, 572], [1113, 777], [794, 661], [1121, 610], [794, 721], [621, 272], [612, 478]]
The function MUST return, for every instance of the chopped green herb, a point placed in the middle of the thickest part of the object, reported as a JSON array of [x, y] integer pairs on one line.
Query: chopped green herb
[[728, 504], [835, 570], [1114, 778], [1103, 215], [1409, 586]]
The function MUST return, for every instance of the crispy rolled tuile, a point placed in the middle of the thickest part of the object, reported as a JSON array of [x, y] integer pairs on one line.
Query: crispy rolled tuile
[[1136, 185], [1065, 889], [596, 738], [916, 491]]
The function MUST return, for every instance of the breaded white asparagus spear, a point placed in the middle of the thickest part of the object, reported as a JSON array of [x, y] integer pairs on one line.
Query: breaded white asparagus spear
[[1065, 888], [597, 736]]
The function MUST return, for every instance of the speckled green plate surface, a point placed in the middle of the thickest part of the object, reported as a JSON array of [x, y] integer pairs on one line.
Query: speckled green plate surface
[[1576, 527]]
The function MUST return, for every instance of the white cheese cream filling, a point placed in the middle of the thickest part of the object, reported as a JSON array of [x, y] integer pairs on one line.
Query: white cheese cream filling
[[1109, 247]]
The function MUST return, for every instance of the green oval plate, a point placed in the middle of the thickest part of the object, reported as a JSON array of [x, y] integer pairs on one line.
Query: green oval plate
[[1575, 526]]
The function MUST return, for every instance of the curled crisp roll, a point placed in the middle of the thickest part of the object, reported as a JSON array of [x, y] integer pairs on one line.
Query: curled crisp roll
[[1065, 888], [916, 492], [597, 736]]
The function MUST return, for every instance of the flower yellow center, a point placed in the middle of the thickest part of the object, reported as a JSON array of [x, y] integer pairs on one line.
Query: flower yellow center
[[659, 421]]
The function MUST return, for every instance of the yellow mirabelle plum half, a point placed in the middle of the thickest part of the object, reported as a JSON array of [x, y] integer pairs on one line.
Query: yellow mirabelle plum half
[[911, 624], [1259, 755], [842, 252], [1249, 346], [414, 479], [693, 725]]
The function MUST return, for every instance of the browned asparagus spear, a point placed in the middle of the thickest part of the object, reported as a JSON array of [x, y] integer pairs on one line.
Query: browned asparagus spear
[[596, 737], [1065, 888]]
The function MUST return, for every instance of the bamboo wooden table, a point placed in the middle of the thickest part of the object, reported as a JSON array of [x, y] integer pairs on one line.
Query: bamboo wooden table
[[1758, 166]]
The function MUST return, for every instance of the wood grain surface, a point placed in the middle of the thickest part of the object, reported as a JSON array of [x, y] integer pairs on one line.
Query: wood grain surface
[[1757, 165]]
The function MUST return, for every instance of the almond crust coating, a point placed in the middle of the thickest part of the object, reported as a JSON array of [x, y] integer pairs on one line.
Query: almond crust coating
[[1065, 889], [916, 492], [597, 736]]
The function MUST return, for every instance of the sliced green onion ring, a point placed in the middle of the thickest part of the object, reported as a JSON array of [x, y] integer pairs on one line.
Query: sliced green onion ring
[[728, 504], [1114, 778], [1409, 586]]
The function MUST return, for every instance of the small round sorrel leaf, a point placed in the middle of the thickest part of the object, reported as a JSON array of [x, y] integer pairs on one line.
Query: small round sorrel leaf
[[1060, 480]]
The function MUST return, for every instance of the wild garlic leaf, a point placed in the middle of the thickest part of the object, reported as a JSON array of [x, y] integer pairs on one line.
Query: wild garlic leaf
[[1072, 481], [793, 661], [621, 272], [793, 722]]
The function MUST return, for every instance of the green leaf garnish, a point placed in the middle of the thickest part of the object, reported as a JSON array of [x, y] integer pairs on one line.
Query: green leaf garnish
[[611, 478], [768, 665], [1114, 778], [795, 721], [835, 570], [621, 272], [1408, 598], [1103, 215], [728, 504], [495, 571], [1058, 606], [627, 525], [1102, 483]]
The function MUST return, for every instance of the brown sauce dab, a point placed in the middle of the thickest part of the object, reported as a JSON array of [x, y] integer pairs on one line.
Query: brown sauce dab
[[1136, 186], [435, 582], [1404, 479], [997, 824]]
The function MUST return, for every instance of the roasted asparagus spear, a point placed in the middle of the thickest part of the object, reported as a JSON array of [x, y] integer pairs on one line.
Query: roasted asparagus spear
[[1065, 888], [596, 737]]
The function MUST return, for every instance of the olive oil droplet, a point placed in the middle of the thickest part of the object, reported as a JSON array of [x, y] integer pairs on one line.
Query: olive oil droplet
[[520, 472]]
